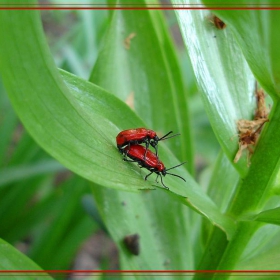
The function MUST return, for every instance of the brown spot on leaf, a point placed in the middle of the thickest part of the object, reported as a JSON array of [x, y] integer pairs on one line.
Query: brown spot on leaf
[[131, 242], [127, 40], [219, 23]]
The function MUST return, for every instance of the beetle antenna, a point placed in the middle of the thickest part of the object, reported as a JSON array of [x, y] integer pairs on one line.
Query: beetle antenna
[[169, 137], [164, 137], [176, 166], [176, 176]]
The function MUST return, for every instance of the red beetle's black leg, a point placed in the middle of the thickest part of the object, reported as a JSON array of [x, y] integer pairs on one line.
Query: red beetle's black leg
[[163, 183], [157, 178], [156, 148], [148, 175], [126, 152], [147, 146]]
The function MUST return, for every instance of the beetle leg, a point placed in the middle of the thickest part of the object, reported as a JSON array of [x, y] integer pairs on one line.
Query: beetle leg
[[148, 175], [156, 148], [126, 152], [154, 145], [157, 178], [147, 146], [162, 182]]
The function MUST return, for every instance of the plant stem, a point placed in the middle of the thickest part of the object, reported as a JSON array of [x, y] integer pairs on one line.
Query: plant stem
[[236, 246], [213, 252], [250, 196]]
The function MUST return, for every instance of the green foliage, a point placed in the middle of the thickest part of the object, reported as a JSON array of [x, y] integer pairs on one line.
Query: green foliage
[[214, 220], [12, 259]]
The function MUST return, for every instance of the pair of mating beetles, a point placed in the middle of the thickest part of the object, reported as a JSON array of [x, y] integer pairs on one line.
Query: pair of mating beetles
[[129, 144]]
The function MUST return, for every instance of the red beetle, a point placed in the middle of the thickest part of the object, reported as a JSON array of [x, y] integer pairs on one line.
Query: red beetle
[[137, 153], [138, 136]]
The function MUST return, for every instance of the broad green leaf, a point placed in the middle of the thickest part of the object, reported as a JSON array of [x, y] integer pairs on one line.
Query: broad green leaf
[[268, 260], [223, 182], [220, 188], [271, 216], [76, 121], [146, 71], [12, 259], [122, 82], [88, 101], [161, 228], [85, 144], [206, 145], [262, 252], [257, 33], [138, 63], [218, 64], [128, 223]]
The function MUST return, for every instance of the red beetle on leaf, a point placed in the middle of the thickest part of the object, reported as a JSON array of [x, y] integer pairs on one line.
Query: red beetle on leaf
[[147, 159], [138, 136]]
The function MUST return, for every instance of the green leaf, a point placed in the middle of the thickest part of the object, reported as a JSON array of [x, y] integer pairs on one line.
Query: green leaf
[[146, 71], [84, 143], [146, 29], [26, 150], [220, 188], [76, 121], [223, 182], [68, 227], [195, 197], [271, 216], [8, 121], [13, 174], [230, 69], [12, 259], [252, 193], [149, 215], [21, 194], [262, 252], [71, 244], [218, 65], [258, 36], [206, 144], [138, 63]]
